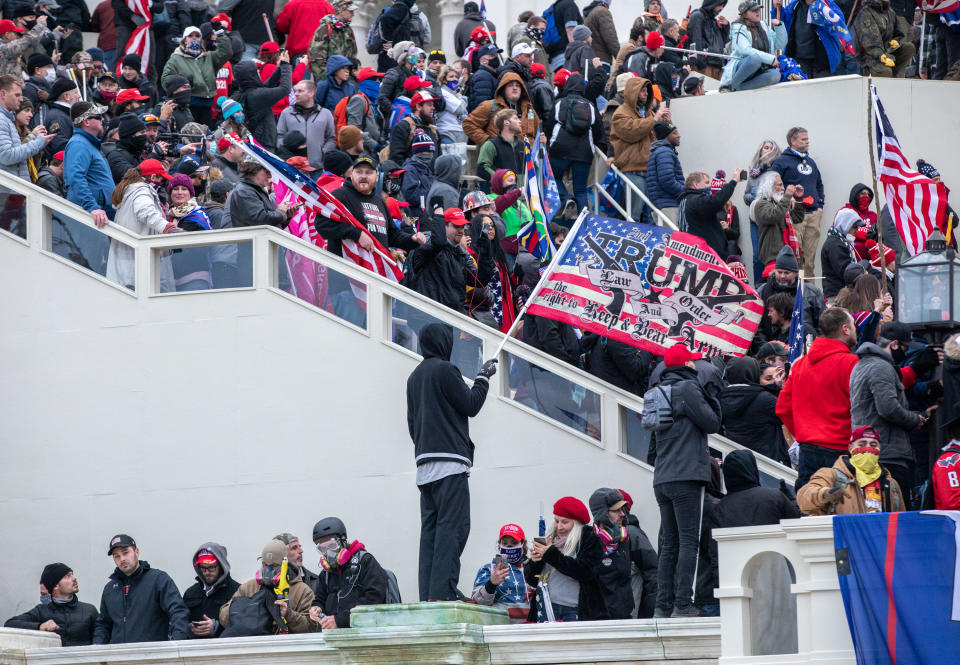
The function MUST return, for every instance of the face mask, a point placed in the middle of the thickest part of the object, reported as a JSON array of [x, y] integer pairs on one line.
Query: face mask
[[899, 355], [393, 186], [434, 70], [453, 85], [46, 600], [513, 555], [194, 47], [536, 33], [108, 96], [158, 187], [867, 464], [863, 203], [29, 25], [182, 98], [412, 59], [50, 76], [135, 144], [238, 118]]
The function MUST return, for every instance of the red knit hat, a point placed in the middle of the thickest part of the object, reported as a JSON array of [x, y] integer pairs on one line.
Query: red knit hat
[[627, 498], [655, 40], [889, 256], [572, 508], [719, 180]]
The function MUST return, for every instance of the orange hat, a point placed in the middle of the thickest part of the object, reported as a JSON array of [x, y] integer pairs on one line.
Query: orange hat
[[300, 162], [454, 216], [129, 94], [369, 73], [154, 167]]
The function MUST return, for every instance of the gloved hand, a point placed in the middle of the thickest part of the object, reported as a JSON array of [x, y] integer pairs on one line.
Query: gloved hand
[[488, 369], [887, 60], [934, 391], [925, 361], [835, 495], [894, 44]]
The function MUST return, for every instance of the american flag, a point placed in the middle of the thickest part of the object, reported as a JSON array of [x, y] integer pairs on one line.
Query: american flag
[[321, 202], [915, 201], [139, 41], [308, 278], [790, 237], [648, 287], [796, 349], [939, 6]]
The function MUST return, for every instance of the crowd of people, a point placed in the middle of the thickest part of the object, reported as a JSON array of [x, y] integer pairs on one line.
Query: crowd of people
[[158, 148]]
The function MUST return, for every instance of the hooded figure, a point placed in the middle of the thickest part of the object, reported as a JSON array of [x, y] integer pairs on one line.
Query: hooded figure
[[329, 92], [439, 403], [258, 98], [861, 202], [631, 129], [749, 411], [479, 125], [203, 599], [708, 35], [614, 572], [746, 502], [838, 250], [448, 170]]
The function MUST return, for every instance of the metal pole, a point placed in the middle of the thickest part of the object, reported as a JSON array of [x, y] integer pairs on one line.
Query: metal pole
[[703, 53], [876, 188], [923, 41]]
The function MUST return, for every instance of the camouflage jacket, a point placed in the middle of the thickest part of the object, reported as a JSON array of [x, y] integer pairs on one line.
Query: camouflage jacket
[[875, 26], [13, 55], [331, 38]]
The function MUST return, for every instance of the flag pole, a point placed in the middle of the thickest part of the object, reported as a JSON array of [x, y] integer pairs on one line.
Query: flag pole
[[546, 272], [871, 119], [923, 39]]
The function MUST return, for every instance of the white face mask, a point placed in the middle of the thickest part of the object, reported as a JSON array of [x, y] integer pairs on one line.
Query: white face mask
[[50, 76]]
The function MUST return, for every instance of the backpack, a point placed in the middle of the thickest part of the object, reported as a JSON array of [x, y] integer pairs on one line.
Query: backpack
[[551, 35], [579, 116], [401, 110], [657, 409], [375, 35], [393, 588], [252, 616], [340, 111]]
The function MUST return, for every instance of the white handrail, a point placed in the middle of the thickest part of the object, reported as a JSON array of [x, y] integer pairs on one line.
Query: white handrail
[[631, 188], [265, 240]]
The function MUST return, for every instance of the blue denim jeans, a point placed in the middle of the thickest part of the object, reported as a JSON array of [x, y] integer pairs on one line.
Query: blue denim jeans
[[746, 76], [557, 61], [581, 173], [564, 613], [641, 212]]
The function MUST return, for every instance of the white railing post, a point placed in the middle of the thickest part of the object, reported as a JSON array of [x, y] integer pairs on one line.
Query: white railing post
[[38, 228], [144, 270], [264, 262]]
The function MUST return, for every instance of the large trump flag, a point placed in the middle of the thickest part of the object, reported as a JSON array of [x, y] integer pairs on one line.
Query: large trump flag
[[649, 287]]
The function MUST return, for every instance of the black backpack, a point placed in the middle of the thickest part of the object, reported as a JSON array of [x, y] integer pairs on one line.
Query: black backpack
[[252, 616], [579, 117]]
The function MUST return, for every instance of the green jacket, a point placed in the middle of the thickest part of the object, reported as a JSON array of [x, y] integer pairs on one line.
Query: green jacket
[[202, 71], [515, 217], [330, 40], [875, 26]]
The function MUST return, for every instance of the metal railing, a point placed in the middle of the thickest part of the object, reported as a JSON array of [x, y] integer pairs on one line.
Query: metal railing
[[614, 405], [600, 170]]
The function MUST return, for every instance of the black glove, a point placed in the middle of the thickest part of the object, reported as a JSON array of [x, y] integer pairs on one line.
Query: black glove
[[925, 361], [934, 391], [488, 369]]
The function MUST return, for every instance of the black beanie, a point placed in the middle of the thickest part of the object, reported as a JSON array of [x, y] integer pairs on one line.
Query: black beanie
[[337, 162], [786, 260], [293, 140], [129, 125], [174, 82], [662, 130], [52, 574], [132, 60], [37, 60], [61, 85]]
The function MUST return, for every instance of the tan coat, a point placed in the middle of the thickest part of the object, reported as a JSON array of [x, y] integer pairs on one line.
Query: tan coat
[[478, 126], [300, 598], [812, 497], [630, 134], [605, 42]]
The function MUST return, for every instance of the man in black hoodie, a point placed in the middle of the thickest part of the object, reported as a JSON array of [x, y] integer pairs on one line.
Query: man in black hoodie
[[258, 97], [213, 589], [750, 411], [708, 31], [139, 603], [679, 479], [439, 403], [64, 615], [746, 502]]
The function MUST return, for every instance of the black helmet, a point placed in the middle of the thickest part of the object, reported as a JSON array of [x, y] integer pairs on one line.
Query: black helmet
[[329, 526]]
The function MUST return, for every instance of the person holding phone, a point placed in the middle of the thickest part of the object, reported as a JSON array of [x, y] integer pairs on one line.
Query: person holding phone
[[500, 583], [213, 589], [563, 566]]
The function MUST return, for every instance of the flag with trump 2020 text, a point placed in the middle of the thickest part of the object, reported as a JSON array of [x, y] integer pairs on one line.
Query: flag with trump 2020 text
[[649, 287], [899, 576]]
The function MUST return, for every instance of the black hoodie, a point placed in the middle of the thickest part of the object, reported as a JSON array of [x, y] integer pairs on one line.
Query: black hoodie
[[749, 411], [564, 144], [205, 601], [706, 34], [258, 97], [746, 502], [439, 402]]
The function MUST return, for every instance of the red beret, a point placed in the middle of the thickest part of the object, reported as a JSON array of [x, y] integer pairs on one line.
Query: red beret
[[572, 508]]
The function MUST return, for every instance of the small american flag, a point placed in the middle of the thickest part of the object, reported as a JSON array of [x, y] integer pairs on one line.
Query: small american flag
[[648, 287], [796, 349], [915, 201]]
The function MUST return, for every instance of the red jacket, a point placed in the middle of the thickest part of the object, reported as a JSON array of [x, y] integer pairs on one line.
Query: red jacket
[[946, 479], [298, 20], [266, 71], [815, 401]]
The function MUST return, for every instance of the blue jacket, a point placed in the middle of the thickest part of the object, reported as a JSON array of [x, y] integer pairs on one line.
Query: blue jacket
[[328, 91], [797, 169], [664, 175], [86, 173]]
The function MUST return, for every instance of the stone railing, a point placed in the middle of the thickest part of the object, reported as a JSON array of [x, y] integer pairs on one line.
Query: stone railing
[[779, 595], [400, 634]]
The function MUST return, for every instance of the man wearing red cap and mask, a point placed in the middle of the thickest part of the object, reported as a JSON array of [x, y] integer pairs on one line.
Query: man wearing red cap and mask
[[857, 483], [213, 589], [680, 477]]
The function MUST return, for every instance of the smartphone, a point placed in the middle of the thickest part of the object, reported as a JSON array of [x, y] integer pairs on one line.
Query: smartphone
[[499, 561], [540, 539]]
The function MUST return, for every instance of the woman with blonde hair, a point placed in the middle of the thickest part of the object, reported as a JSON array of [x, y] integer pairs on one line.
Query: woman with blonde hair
[[566, 562], [139, 210]]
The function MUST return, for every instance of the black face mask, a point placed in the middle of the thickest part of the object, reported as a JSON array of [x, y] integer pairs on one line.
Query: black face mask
[[393, 186], [135, 144], [899, 355], [29, 25], [181, 98]]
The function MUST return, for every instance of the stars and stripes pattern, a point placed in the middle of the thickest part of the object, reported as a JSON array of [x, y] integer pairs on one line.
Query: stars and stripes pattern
[[320, 202], [790, 237], [535, 234], [308, 278], [796, 349], [682, 261], [139, 41], [915, 202]]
